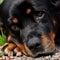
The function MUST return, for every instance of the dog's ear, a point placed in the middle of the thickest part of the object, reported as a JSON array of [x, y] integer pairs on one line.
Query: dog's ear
[[56, 3]]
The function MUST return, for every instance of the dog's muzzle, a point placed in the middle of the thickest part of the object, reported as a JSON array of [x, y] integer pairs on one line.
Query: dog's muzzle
[[39, 46]]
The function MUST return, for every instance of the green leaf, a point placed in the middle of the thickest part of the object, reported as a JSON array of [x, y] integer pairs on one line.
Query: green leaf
[[2, 38], [1, 1]]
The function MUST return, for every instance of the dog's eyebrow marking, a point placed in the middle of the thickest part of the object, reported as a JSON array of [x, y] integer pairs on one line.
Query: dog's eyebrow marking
[[15, 20], [28, 10]]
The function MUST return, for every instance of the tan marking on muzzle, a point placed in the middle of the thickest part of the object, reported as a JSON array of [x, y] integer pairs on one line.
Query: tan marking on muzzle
[[52, 35], [47, 43]]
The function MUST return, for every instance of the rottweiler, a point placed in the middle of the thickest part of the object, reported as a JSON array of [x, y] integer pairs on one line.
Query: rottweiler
[[31, 25]]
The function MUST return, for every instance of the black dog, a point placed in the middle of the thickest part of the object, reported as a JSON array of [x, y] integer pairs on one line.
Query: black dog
[[32, 23]]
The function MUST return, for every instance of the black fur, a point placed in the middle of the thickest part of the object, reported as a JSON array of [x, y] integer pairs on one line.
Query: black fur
[[33, 25]]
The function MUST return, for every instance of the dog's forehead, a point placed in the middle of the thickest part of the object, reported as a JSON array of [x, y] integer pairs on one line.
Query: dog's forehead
[[39, 28], [36, 2], [39, 4], [27, 30]]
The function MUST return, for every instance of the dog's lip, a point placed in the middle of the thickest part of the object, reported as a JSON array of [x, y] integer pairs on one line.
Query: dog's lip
[[44, 53]]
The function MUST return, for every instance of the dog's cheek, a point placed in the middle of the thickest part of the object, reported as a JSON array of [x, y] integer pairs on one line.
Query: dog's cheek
[[52, 36], [46, 41]]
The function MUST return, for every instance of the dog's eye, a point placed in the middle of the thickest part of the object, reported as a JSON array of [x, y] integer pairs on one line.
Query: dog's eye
[[40, 15], [15, 28]]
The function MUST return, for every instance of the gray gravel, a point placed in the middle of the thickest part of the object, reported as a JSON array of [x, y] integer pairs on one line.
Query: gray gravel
[[56, 56]]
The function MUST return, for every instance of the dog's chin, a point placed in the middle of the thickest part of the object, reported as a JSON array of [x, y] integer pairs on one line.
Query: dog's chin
[[37, 52], [43, 53]]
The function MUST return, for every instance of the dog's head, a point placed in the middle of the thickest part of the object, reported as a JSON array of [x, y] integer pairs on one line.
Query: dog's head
[[34, 22]]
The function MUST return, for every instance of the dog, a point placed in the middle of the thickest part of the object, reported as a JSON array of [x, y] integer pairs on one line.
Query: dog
[[31, 25]]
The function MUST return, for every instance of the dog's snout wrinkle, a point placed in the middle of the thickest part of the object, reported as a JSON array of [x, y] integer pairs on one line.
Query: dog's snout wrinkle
[[34, 43]]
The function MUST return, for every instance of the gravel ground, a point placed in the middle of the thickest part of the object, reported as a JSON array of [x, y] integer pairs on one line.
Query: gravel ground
[[53, 57], [56, 56]]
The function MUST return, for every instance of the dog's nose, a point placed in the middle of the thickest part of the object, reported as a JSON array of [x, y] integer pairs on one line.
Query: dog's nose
[[34, 43]]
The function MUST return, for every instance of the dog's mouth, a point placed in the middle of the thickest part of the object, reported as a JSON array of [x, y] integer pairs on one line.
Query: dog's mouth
[[41, 51], [38, 54], [46, 47], [46, 51]]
